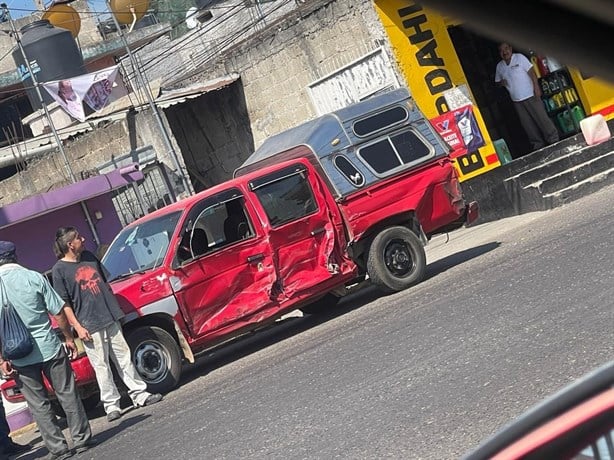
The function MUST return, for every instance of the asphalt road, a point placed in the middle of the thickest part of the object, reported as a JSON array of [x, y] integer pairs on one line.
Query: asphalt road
[[511, 311]]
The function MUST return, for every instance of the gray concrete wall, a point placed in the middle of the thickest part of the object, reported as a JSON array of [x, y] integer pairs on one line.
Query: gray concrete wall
[[231, 23], [213, 133], [277, 64], [85, 154]]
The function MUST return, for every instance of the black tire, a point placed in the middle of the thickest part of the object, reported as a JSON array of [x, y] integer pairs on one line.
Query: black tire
[[396, 259], [321, 306], [156, 356]]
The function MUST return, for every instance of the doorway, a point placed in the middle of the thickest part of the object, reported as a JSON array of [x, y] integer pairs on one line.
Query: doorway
[[478, 57]]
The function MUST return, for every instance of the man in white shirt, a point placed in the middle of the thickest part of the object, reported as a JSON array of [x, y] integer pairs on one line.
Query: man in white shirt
[[515, 72]]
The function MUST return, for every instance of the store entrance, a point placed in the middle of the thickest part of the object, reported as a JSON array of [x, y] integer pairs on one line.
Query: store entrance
[[479, 57]]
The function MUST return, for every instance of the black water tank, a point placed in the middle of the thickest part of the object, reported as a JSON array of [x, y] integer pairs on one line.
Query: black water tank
[[53, 54]]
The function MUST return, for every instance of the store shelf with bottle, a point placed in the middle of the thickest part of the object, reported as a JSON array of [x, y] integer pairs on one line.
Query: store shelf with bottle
[[561, 100]]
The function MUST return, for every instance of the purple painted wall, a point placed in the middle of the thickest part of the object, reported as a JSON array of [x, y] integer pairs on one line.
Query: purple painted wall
[[34, 237]]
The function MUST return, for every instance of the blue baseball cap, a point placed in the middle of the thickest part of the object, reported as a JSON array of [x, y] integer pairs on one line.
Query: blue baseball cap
[[7, 250]]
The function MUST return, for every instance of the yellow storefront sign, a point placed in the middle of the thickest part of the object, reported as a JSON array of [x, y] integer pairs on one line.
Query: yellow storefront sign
[[426, 56]]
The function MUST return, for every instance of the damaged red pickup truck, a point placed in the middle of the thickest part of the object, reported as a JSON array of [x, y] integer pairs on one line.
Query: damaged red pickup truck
[[352, 194]]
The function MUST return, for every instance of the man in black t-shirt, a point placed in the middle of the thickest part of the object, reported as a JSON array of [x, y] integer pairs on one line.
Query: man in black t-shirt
[[95, 314]]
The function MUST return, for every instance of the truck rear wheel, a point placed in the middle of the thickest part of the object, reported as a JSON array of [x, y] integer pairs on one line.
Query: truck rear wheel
[[396, 259], [156, 356]]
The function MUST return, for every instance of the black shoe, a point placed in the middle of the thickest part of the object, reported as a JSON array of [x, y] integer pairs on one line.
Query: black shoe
[[87, 445], [12, 448], [61, 456], [152, 399], [113, 415]]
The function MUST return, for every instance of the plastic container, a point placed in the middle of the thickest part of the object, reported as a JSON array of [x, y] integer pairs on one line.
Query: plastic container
[[536, 66], [553, 64], [503, 152], [577, 113], [565, 122], [542, 63], [595, 129], [55, 54]]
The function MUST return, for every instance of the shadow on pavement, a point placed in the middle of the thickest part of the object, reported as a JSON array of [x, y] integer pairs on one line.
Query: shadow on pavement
[[273, 334], [284, 329], [40, 451], [439, 266]]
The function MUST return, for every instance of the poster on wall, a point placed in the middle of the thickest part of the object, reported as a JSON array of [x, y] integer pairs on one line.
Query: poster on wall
[[460, 130], [95, 90]]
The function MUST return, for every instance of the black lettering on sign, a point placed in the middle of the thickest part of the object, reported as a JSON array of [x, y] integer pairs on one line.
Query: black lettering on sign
[[427, 55], [441, 105], [470, 162], [418, 35], [437, 80]]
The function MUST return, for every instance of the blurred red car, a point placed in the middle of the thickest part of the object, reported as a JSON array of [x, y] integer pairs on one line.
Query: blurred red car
[[576, 423], [84, 376]]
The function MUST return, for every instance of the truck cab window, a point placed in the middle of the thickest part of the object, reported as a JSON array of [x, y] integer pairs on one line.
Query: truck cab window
[[236, 224], [286, 199], [215, 224]]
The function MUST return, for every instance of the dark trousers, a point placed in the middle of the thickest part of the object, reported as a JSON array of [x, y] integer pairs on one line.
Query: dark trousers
[[537, 124], [60, 375]]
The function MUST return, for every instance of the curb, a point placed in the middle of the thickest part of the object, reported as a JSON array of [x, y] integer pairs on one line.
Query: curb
[[24, 429]]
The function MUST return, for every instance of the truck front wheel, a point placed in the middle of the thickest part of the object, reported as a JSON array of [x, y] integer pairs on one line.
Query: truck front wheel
[[396, 259], [156, 356]]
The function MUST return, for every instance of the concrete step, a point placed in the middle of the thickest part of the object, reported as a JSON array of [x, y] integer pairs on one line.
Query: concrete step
[[548, 153], [574, 174], [543, 179], [557, 163], [580, 189]]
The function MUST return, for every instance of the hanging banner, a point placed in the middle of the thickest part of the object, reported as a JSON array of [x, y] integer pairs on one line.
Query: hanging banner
[[446, 126], [468, 127], [94, 89], [460, 130]]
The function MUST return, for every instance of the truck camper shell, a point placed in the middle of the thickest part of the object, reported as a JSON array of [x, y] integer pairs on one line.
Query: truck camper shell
[[358, 145]]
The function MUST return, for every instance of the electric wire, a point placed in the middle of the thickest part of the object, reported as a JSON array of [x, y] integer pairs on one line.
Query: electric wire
[[226, 42], [154, 60], [184, 43]]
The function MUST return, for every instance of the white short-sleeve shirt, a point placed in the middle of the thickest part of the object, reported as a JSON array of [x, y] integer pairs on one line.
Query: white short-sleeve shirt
[[519, 83]]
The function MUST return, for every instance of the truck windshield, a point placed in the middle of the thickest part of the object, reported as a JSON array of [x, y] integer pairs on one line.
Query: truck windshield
[[140, 247]]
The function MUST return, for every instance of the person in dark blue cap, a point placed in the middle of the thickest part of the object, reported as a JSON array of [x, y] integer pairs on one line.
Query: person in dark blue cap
[[34, 299]]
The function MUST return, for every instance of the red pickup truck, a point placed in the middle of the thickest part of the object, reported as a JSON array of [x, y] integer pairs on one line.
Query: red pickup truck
[[351, 195]]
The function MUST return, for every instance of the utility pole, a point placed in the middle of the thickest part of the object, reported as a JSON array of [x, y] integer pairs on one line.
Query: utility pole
[[154, 108], [6, 13]]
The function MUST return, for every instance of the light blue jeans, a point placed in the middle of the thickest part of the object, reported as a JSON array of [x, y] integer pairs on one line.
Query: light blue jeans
[[110, 343]]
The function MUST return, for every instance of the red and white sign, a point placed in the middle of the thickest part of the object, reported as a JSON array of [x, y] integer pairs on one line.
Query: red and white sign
[[459, 129]]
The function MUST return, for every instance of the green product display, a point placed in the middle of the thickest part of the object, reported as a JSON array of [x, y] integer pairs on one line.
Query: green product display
[[503, 152]]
